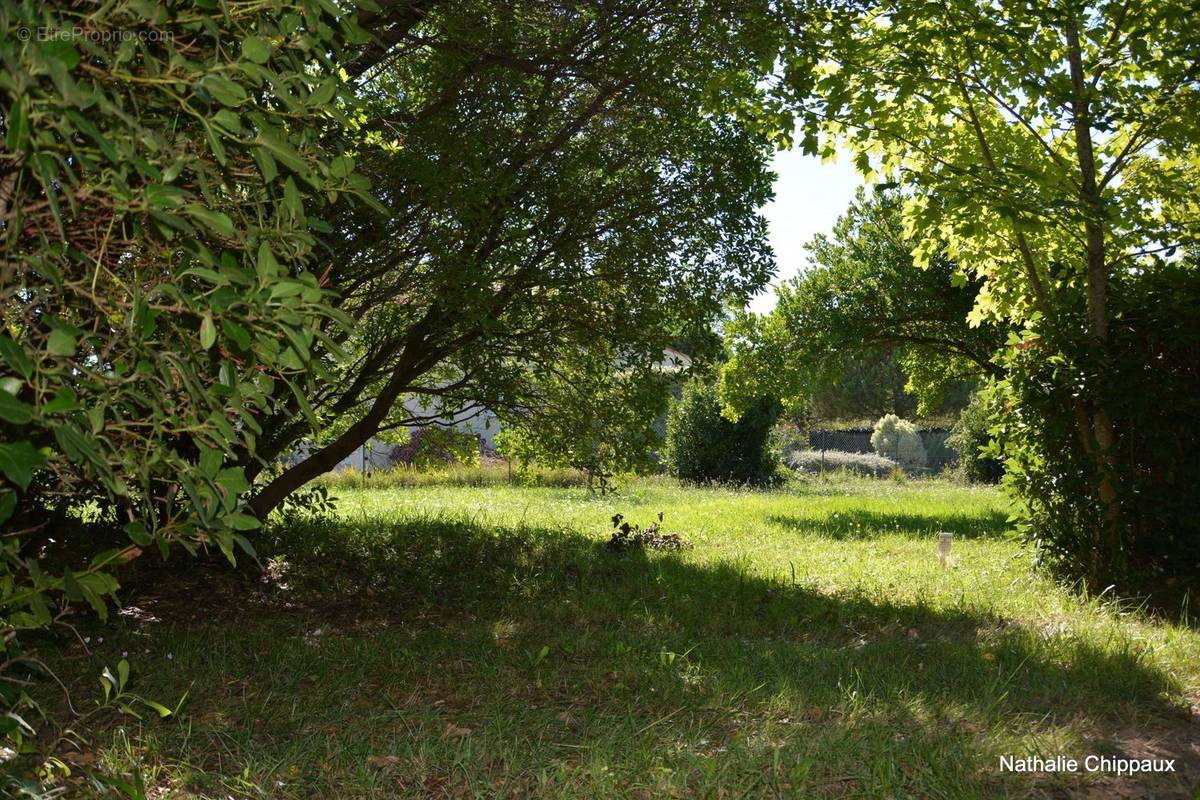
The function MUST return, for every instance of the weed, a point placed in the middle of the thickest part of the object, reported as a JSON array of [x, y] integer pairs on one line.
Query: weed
[[627, 535]]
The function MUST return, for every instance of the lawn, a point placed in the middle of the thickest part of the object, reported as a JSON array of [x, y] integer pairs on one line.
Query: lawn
[[482, 641]]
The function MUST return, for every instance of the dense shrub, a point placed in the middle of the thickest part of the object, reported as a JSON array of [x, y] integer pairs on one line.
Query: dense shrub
[[900, 441], [1149, 378], [971, 434], [831, 460], [704, 447], [160, 197]]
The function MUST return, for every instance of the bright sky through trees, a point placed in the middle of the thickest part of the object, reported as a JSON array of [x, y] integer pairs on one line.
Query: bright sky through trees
[[809, 196]]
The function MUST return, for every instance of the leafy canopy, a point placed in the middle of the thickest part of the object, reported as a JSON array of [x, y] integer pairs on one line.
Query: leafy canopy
[[565, 187], [861, 299]]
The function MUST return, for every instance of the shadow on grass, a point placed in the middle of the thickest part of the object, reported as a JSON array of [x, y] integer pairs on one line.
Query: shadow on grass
[[559, 653], [859, 524]]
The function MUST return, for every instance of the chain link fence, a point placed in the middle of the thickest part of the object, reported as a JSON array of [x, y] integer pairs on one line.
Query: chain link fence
[[937, 454]]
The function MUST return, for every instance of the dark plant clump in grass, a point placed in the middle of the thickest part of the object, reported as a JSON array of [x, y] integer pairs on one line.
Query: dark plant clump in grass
[[628, 535], [703, 447]]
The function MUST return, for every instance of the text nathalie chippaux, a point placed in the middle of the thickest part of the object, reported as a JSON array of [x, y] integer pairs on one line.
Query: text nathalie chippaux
[[1093, 763]]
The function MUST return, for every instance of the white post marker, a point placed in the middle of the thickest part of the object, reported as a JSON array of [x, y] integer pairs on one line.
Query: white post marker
[[944, 540]]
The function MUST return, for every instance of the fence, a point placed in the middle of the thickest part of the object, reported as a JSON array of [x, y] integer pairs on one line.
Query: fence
[[858, 440]]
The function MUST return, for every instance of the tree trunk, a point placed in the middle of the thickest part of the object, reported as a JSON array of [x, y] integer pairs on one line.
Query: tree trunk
[[420, 354], [1097, 425], [328, 457]]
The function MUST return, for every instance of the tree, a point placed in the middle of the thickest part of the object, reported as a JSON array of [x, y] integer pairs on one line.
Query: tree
[[971, 438], [557, 182], [594, 414], [866, 384], [153, 288], [1051, 151], [857, 318]]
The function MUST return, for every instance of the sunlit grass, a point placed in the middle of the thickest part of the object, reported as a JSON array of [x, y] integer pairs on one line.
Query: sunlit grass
[[491, 473]]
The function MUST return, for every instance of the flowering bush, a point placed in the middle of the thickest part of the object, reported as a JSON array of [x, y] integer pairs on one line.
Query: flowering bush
[[429, 446], [900, 441]]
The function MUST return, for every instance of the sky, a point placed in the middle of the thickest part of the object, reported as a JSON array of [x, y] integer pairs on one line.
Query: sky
[[809, 197]]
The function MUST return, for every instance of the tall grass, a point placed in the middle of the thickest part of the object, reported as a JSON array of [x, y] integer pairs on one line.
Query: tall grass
[[489, 473]]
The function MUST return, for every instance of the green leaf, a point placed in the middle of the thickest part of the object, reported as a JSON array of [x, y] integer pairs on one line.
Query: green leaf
[[95, 416], [102, 559], [13, 410], [205, 274], [61, 343], [266, 164], [60, 50], [283, 152], [71, 586], [208, 332], [863, 162], [18, 126], [244, 543], [227, 120], [236, 332], [267, 266], [233, 479], [292, 201], [256, 49], [64, 400], [324, 92], [301, 343], [18, 461], [82, 123], [138, 534], [162, 710], [214, 144], [286, 288], [8, 503], [210, 461], [16, 357], [341, 166], [217, 221], [223, 90], [77, 446], [318, 225], [242, 522], [95, 600]]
